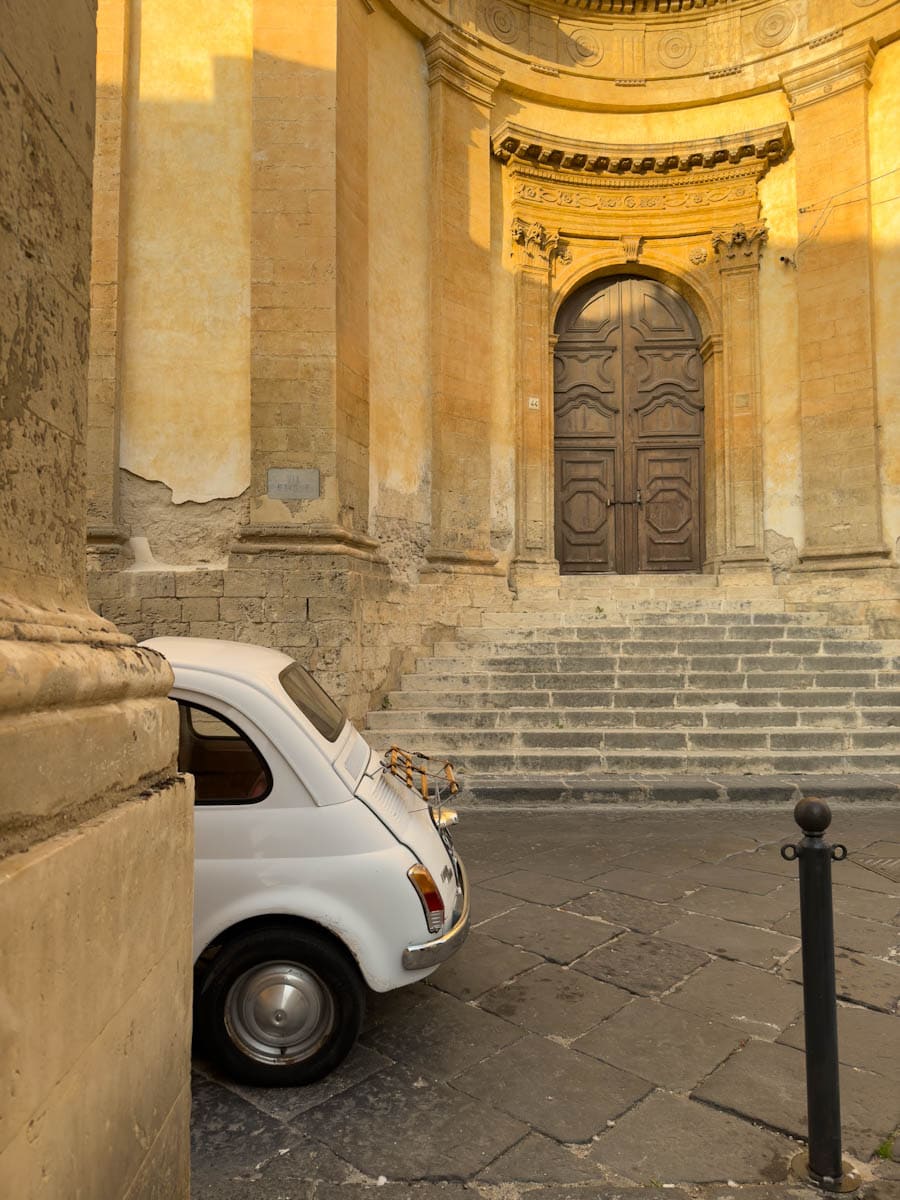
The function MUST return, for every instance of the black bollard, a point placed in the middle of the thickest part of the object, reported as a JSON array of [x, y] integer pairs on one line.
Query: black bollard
[[824, 1165]]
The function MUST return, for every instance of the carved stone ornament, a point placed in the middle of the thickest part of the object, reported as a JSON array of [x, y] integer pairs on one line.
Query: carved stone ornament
[[698, 256], [740, 246], [538, 243], [513, 142], [631, 246]]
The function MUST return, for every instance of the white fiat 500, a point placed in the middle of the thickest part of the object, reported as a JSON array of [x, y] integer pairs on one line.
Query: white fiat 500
[[318, 869]]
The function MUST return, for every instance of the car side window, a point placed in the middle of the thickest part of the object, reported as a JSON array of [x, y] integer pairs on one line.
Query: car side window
[[227, 767]]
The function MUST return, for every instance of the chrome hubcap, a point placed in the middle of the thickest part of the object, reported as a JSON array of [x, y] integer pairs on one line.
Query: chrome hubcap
[[279, 1012]]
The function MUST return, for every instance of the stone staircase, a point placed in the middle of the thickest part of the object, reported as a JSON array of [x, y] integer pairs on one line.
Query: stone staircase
[[677, 689]]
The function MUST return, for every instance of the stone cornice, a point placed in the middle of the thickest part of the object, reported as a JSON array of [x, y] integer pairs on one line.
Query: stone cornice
[[830, 76], [514, 143], [457, 67]]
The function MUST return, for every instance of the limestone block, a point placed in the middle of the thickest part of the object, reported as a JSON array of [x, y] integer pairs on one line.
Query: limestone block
[[97, 1060]]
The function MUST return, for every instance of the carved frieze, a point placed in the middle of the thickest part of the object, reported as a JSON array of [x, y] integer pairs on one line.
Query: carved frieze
[[739, 246]]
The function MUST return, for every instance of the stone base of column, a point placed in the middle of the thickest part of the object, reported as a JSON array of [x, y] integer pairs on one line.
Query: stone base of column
[[841, 558], [752, 563], [538, 576], [306, 539], [469, 562]]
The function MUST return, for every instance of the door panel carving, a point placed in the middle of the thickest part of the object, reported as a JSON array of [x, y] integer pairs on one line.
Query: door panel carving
[[585, 530], [628, 413]]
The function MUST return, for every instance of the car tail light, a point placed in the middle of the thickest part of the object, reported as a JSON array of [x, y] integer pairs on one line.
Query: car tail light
[[432, 901]]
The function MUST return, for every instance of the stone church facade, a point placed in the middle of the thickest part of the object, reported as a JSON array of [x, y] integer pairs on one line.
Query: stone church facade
[[405, 310]]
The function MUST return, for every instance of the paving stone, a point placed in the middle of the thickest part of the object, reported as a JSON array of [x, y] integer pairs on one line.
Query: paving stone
[[603, 1191], [373, 1190], [640, 883], [398, 1125], [574, 862], [745, 907], [752, 1000], [392, 1006], [481, 964], [441, 1037], [669, 1139], [734, 879], [558, 1092], [851, 874], [660, 861], [555, 1001], [541, 889], [730, 939], [669, 1047], [557, 936], [713, 847], [859, 978], [853, 933], [487, 904], [645, 916], [757, 1191], [767, 859], [231, 1137], [641, 964], [539, 1159], [767, 1082], [287, 1103], [869, 905], [866, 1039]]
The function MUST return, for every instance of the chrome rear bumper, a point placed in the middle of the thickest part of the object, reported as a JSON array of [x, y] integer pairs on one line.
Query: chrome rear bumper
[[429, 954]]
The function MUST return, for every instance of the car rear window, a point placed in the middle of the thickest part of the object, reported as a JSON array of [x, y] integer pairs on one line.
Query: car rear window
[[313, 701]]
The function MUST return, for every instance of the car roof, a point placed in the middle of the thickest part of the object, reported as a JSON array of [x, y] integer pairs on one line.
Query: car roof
[[217, 656]]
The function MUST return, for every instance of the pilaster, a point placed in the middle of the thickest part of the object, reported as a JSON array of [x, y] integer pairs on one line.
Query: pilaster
[[461, 91], [535, 251], [737, 253], [105, 532], [838, 413], [309, 293]]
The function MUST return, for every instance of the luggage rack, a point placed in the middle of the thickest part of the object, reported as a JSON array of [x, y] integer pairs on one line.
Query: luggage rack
[[412, 768]]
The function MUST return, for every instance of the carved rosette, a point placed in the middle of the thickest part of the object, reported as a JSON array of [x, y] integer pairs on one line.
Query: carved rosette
[[537, 245], [739, 246]]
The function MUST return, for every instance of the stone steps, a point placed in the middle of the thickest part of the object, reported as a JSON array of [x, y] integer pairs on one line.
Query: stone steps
[[696, 683]]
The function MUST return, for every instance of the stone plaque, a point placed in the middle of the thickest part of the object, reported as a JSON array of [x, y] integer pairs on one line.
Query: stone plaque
[[293, 483]]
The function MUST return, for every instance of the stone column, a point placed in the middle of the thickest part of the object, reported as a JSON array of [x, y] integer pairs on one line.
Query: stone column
[[838, 413], [535, 249], [96, 825], [105, 530], [462, 87], [309, 295], [740, 425]]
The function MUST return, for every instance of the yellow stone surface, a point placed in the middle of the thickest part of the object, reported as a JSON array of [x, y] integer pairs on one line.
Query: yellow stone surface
[[185, 416], [95, 1004], [884, 169]]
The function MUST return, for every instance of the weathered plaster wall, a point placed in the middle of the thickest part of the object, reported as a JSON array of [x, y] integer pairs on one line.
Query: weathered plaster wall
[[185, 417], [399, 329], [884, 159], [95, 825]]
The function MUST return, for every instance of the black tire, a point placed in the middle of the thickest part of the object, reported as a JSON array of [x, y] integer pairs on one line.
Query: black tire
[[280, 1006]]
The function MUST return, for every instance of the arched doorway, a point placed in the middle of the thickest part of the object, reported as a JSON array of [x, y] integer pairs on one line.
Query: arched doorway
[[628, 430]]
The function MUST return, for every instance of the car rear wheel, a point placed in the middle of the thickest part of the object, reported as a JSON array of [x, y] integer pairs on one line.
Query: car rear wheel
[[280, 1006]]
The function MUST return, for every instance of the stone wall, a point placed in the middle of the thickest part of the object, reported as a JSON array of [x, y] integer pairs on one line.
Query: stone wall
[[95, 823]]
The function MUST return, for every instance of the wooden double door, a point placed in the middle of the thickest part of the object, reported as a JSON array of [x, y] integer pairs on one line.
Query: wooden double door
[[628, 430]]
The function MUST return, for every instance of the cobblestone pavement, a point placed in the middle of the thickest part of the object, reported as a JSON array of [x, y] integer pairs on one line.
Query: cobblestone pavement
[[625, 1017]]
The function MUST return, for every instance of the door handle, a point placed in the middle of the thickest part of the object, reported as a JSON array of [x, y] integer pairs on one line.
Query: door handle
[[638, 501]]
